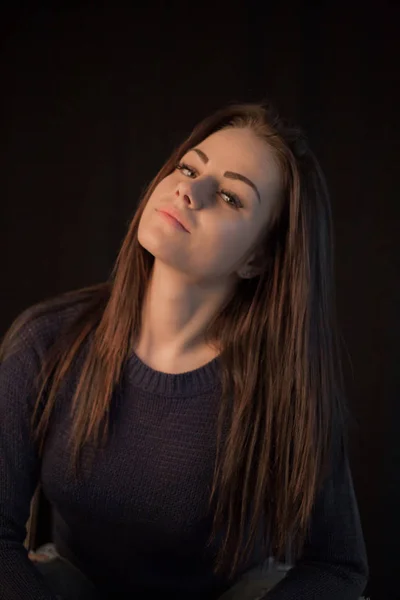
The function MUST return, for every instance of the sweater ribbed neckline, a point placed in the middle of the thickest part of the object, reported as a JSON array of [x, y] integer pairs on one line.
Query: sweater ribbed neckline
[[189, 383]]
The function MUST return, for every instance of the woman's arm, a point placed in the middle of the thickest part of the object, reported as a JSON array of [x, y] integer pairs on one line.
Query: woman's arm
[[334, 563], [19, 472]]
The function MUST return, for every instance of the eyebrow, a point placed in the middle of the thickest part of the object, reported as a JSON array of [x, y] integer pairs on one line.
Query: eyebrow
[[229, 174]]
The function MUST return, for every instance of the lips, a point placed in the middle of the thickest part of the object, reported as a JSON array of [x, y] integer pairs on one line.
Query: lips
[[175, 214]]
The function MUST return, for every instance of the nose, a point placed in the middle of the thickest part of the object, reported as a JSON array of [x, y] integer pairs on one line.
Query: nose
[[189, 193]]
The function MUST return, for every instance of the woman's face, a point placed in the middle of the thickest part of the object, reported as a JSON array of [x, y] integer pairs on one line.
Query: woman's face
[[223, 192]]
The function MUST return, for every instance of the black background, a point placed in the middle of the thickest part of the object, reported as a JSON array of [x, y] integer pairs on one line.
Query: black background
[[94, 99]]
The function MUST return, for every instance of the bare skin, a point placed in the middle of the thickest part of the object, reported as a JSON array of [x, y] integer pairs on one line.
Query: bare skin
[[195, 270]]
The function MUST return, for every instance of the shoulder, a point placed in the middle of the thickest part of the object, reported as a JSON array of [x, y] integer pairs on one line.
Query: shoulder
[[40, 334], [36, 329]]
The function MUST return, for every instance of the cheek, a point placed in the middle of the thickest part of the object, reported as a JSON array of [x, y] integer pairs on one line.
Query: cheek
[[163, 193], [165, 186], [226, 243]]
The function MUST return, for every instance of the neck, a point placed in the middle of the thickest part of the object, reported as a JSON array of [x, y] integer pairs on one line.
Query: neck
[[176, 313]]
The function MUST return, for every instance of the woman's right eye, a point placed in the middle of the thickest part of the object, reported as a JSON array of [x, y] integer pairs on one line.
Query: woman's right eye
[[184, 167]]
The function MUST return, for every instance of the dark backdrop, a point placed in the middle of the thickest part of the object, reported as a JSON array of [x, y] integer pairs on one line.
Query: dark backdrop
[[93, 101]]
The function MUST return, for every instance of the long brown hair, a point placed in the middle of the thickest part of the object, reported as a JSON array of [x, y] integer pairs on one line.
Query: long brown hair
[[281, 373]]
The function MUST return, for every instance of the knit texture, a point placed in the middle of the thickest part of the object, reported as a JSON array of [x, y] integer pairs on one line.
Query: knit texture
[[137, 519]]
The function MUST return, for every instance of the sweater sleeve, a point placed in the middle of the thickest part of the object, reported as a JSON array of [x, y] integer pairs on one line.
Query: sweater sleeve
[[334, 560], [19, 472]]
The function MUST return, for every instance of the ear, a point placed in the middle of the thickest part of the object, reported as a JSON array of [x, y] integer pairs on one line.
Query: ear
[[254, 266]]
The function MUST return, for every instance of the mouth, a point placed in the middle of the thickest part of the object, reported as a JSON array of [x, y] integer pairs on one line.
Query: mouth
[[173, 219]]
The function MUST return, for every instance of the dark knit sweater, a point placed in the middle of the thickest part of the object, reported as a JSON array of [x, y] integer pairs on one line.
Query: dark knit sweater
[[137, 520]]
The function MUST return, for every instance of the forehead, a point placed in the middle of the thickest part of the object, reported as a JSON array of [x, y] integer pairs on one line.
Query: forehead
[[241, 151]]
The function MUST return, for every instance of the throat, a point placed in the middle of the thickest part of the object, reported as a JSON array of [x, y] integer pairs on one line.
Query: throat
[[167, 362]]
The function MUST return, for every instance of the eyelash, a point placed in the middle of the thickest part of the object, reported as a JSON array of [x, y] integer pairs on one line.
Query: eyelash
[[236, 201]]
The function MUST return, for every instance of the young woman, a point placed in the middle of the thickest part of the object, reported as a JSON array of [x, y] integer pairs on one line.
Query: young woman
[[186, 418]]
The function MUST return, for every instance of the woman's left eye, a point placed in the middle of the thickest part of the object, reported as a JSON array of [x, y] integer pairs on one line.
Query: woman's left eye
[[233, 200]]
